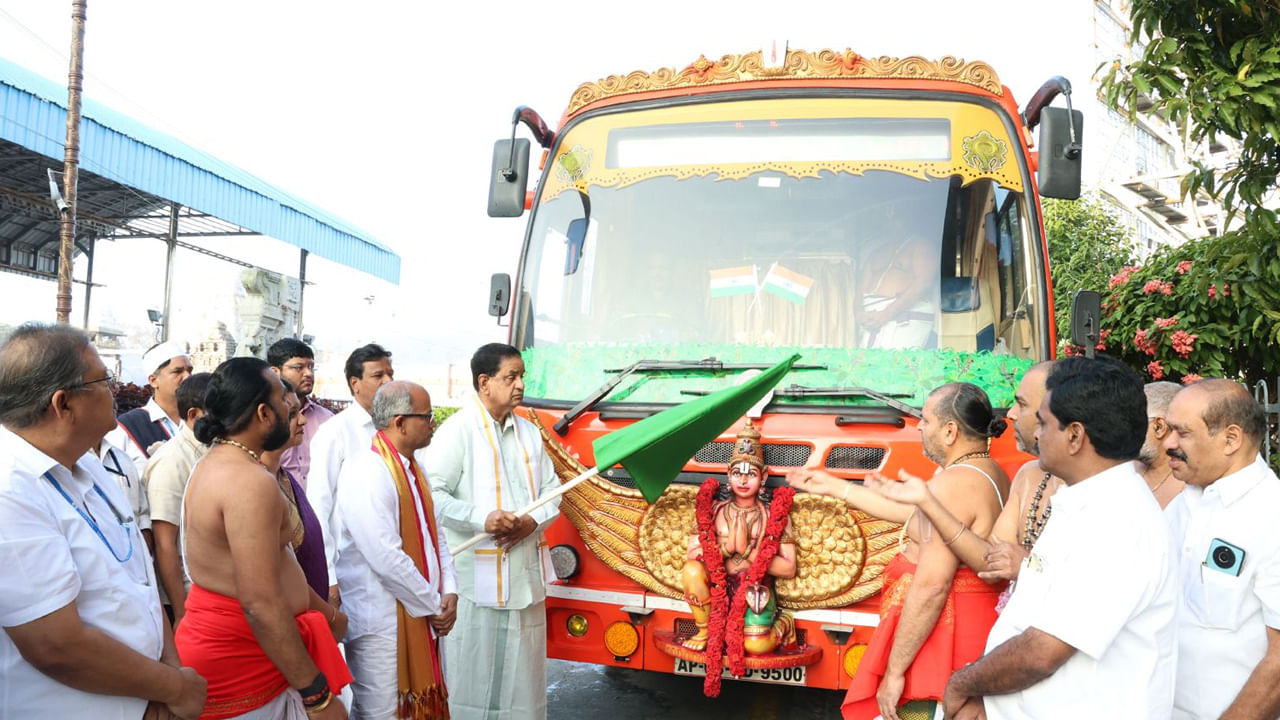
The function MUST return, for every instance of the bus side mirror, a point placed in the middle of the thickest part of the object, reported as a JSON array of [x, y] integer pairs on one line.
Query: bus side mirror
[[499, 295], [1061, 132], [1086, 312], [508, 178]]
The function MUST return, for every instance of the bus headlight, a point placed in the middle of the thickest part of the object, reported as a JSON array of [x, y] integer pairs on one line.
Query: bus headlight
[[621, 639], [576, 625], [564, 561]]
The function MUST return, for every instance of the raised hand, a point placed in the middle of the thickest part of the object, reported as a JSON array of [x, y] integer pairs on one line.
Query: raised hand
[[817, 482], [908, 489]]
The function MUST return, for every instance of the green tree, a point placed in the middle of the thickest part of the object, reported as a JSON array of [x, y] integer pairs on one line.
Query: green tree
[[1087, 246], [1212, 67]]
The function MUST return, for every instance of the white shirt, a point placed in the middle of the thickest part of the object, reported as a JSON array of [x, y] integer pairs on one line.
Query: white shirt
[[347, 434], [1223, 618], [117, 464], [51, 556], [120, 438], [374, 571], [1100, 578]]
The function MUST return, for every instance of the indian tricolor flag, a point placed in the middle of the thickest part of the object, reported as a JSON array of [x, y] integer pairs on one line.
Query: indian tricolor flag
[[787, 284], [733, 281]]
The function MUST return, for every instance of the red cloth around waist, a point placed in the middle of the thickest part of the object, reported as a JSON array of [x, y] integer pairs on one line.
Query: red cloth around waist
[[958, 638], [216, 640]]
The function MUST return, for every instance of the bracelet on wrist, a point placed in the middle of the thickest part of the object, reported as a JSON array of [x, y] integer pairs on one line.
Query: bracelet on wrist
[[844, 496], [316, 691], [319, 707]]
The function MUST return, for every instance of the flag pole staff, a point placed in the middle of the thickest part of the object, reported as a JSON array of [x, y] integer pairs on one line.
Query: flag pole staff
[[564, 488], [71, 162]]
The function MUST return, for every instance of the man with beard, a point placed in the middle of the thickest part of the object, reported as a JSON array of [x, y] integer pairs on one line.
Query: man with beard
[[1153, 463], [1089, 633], [1225, 525], [916, 645], [252, 627], [998, 557]]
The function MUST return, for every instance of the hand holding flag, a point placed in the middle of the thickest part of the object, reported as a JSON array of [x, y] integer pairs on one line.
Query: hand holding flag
[[654, 449]]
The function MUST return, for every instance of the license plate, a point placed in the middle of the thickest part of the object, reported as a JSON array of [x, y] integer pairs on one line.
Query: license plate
[[782, 676]]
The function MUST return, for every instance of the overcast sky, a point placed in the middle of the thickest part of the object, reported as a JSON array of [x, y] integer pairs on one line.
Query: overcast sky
[[384, 113]]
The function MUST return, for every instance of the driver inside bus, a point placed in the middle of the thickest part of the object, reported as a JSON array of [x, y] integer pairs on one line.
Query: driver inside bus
[[895, 310]]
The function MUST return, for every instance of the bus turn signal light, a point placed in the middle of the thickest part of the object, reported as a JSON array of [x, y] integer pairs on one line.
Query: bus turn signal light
[[621, 639]]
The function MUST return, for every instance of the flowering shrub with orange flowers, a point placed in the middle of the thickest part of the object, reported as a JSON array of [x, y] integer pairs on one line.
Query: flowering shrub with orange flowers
[[1207, 308]]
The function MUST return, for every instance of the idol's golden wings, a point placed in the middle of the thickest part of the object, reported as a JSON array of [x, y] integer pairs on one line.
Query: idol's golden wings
[[841, 552]]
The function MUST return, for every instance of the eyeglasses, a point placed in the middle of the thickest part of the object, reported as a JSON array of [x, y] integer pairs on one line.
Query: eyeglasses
[[430, 416], [300, 367], [112, 382]]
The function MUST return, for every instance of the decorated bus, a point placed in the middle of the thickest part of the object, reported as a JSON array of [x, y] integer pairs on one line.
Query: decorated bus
[[877, 217]]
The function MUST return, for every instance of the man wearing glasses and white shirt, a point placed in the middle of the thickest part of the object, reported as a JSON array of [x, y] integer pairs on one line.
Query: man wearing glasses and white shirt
[[1225, 528], [84, 635]]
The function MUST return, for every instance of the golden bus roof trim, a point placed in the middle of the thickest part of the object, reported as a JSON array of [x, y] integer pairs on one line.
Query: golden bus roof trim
[[798, 65]]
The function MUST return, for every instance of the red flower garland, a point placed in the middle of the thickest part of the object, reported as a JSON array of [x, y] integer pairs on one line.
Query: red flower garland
[[724, 626]]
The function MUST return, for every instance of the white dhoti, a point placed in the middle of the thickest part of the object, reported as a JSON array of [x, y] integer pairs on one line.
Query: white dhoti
[[286, 706], [375, 677], [907, 330], [495, 663]]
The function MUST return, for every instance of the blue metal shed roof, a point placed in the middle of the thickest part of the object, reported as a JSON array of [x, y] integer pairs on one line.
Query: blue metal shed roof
[[33, 114]]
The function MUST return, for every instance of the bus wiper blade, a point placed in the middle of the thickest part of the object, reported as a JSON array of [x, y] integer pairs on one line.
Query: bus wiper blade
[[648, 366], [889, 399]]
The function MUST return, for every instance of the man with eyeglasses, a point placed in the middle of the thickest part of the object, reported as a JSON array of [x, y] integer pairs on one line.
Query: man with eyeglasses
[[142, 430], [84, 635], [394, 567], [294, 361]]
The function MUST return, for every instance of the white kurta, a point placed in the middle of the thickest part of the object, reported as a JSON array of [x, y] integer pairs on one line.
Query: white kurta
[[495, 658], [374, 572], [347, 434], [51, 556], [1101, 579], [1223, 619]]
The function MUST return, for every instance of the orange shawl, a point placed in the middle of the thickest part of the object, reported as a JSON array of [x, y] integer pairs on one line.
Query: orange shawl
[[422, 693]]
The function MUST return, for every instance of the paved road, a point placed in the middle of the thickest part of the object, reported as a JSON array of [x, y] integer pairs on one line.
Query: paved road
[[578, 690]]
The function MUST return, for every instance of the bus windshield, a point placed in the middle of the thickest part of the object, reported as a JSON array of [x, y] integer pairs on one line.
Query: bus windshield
[[682, 237]]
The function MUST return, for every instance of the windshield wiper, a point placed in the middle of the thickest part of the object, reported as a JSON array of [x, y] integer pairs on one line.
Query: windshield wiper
[[888, 399], [651, 366]]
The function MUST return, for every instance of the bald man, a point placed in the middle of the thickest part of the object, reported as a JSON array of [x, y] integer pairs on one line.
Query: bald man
[[1225, 522]]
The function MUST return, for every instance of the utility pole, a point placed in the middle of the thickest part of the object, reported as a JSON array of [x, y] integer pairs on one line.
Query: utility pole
[[71, 162]]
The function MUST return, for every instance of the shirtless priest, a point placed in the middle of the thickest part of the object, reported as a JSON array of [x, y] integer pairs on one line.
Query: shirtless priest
[[253, 627], [934, 612]]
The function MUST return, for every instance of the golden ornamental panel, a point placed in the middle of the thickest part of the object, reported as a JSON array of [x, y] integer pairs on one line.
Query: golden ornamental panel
[[798, 65]]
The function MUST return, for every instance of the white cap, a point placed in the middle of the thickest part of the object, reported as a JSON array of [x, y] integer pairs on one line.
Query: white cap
[[161, 354]]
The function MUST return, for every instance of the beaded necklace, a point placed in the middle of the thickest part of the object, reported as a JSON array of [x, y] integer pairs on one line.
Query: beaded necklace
[[1035, 524], [242, 446], [966, 456]]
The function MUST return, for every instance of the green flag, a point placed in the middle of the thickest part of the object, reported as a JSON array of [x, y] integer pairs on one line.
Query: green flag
[[655, 449]]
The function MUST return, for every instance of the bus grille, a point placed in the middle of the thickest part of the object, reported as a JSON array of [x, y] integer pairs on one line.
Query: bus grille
[[775, 454], [848, 457]]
